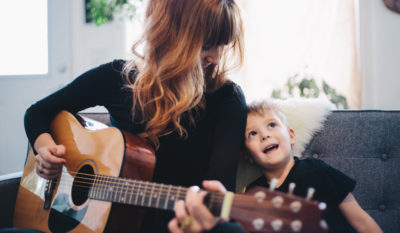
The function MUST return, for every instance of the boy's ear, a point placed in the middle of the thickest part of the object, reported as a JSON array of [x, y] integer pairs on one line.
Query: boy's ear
[[292, 137]]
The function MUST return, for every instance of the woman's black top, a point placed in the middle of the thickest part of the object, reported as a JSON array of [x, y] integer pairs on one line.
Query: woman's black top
[[210, 150], [331, 186]]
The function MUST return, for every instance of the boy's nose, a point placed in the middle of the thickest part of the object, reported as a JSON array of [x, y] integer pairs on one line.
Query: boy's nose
[[264, 136]]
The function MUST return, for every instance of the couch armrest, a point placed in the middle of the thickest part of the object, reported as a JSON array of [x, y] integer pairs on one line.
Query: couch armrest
[[8, 194]]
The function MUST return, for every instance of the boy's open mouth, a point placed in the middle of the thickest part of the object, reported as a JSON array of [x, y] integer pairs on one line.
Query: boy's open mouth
[[269, 148]]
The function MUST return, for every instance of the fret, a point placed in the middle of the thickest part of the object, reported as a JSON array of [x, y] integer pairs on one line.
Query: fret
[[160, 190], [124, 189], [138, 192], [151, 196], [96, 185], [142, 193], [113, 194], [211, 202], [131, 193], [96, 189], [171, 200], [122, 185], [117, 189], [179, 193], [101, 187], [107, 189], [167, 197]]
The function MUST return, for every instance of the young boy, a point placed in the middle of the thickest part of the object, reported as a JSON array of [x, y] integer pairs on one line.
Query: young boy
[[268, 142]]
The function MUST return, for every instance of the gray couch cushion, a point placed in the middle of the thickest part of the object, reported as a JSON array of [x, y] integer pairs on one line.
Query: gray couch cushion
[[366, 146]]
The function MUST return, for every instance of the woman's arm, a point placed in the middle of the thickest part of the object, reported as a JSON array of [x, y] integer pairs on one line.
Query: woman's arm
[[85, 91], [357, 217], [229, 116]]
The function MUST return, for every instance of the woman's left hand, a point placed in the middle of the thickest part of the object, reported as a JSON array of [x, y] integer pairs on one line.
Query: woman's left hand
[[192, 216]]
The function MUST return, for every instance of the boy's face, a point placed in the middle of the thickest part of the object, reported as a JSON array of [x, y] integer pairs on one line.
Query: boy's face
[[268, 140]]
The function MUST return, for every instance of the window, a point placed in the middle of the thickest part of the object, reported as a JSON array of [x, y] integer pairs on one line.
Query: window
[[308, 38], [23, 41]]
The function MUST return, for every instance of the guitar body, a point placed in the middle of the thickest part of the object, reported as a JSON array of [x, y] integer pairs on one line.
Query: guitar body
[[107, 151]]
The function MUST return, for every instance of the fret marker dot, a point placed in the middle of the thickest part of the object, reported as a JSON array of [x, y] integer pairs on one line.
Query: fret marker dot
[[141, 193], [172, 198], [155, 195]]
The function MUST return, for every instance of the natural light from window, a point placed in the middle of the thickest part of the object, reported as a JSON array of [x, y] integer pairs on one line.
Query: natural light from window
[[23, 41]]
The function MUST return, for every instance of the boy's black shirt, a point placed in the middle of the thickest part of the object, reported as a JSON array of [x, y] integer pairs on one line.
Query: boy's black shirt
[[331, 186]]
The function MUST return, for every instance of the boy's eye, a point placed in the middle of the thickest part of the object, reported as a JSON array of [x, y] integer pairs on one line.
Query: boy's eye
[[271, 125], [252, 134]]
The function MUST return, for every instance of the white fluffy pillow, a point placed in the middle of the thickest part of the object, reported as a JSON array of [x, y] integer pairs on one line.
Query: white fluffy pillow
[[305, 117]]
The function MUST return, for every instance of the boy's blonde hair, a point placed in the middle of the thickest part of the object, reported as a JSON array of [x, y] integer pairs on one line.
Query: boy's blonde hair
[[260, 107]]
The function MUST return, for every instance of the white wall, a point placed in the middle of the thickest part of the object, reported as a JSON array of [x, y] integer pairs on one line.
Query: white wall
[[94, 45], [380, 55]]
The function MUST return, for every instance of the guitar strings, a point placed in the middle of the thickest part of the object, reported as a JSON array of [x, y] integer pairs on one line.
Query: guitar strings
[[100, 179], [124, 194], [103, 190], [126, 186]]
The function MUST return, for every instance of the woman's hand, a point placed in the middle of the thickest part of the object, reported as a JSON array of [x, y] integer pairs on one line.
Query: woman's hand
[[49, 161], [192, 216]]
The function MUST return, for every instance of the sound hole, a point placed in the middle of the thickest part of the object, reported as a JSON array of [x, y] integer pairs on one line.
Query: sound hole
[[82, 184]]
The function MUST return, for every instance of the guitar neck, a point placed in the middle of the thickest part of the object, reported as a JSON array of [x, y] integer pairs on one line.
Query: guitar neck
[[146, 194]]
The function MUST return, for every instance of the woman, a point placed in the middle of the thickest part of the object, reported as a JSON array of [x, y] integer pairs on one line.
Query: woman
[[176, 95]]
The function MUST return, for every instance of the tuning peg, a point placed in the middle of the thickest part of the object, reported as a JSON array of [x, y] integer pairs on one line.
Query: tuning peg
[[277, 224], [295, 206], [322, 205], [273, 184], [260, 196], [323, 225], [296, 225], [310, 193], [258, 223], [291, 188], [277, 201]]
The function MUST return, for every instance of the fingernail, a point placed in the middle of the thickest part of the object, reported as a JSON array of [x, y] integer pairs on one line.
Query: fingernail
[[195, 188]]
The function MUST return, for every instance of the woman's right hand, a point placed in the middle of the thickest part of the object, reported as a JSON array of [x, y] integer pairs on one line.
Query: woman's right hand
[[49, 161], [191, 215]]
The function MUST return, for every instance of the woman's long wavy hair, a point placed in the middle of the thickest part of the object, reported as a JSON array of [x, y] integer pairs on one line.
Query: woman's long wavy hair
[[171, 80]]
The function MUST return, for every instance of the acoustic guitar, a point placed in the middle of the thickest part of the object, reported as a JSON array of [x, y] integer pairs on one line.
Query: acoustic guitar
[[105, 186]]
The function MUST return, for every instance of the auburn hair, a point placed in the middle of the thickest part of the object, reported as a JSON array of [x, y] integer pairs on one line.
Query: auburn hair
[[170, 79]]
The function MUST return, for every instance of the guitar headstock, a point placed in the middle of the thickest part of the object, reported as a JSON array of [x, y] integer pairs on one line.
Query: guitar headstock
[[264, 210]]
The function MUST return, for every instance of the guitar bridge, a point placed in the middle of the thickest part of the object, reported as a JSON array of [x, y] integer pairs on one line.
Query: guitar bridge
[[48, 193]]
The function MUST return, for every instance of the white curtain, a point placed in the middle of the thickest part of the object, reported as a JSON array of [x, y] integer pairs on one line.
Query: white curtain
[[313, 38]]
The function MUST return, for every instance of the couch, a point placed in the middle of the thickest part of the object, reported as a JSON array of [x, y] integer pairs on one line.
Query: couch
[[365, 144]]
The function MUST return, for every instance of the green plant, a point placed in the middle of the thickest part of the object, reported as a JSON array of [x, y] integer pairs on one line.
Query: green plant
[[102, 11], [307, 87]]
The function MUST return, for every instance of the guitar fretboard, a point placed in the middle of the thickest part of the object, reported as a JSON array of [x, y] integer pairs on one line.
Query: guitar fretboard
[[146, 194]]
